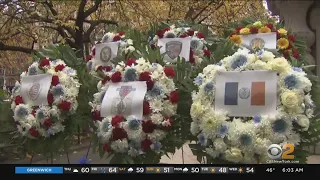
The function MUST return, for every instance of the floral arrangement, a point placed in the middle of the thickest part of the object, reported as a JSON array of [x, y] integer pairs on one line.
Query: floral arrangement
[[131, 136], [287, 43], [47, 120], [246, 140], [125, 47], [198, 49]]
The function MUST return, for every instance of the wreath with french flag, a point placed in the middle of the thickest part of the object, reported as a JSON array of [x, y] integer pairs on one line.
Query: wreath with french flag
[[44, 98], [219, 111], [125, 48], [197, 51], [127, 137]]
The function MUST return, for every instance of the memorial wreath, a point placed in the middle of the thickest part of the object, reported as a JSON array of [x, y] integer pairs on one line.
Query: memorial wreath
[[246, 139], [128, 138], [46, 119]]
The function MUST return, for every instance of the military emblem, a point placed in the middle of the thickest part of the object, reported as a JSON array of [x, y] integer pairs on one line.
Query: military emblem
[[105, 54], [34, 91], [173, 49], [244, 93], [257, 43]]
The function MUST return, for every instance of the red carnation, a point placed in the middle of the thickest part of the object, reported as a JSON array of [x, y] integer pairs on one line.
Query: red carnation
[[145, 76], [174, 97], [160, 33], [96, 115], [65, 106], [121, 33], [47, 123], [207, 52], [34, 132], [269, 25], [295, 54], [116, 38], [200, 35], [191, 58], [148, 126], [18, 100], [55, 80], [33, 112], [93, 52], [107, 68], [105, 80], [150, 85], [60, 67], [146, 108], [286, 54], [116, 77], [190, 32], [119, 133], [183, 35], [254, 30], [292, 38], [153, 46], [130, 61], [44, 62], [166, 29], [238, 28], [50, 99], [116, 120], [89, 57], [145, 145], [169, 72], [106, 148]]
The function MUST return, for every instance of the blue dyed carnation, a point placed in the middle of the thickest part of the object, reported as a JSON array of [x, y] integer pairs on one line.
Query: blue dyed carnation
[[198, 80], [14, 89], [194, 44], [89, 64], [279, 126], [157, 146], [21, 112], [257, 119], [57, 90], [33, 70], [245, 139], [239, 61], [219, 63], [223, 131], [134, 124], [291, 81], [297, 69], [208, 87], [130, 75], [202, 140], [155, 91], [106, 126], [40, 115]]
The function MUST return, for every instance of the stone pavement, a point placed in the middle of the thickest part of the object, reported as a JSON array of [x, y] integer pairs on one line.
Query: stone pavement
[[178, 158]]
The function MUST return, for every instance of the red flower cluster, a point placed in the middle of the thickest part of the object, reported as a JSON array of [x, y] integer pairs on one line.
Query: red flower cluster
[[116, 77], [174, 97], [169, 72], [59, 67], [96, 115], [116, 120], [65, 106], [146, 108], [145, 76], [44, 62], [50, 99], [18, 100], [47, 123], [148, 126], [33, 132], [55, 80], [130, 61]]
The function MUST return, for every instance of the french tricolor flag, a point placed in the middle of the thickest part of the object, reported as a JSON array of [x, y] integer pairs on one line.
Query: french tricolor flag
[[256, 94], [246, 93]]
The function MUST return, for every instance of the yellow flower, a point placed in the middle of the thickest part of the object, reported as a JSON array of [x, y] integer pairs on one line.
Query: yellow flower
[[257, 24], [264, 30], [280, 65], [282, 32], [283, 43], [236, 39], [245, 31], [290, 99]]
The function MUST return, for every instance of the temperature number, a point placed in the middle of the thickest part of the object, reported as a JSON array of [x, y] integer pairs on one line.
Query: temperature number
[[195, 170], [223, 170]]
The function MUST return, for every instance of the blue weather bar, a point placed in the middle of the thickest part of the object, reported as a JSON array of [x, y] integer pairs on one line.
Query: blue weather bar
[[39, 170]]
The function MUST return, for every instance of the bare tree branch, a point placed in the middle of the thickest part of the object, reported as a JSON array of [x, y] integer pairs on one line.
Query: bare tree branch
[[93, 8], [4, 47]]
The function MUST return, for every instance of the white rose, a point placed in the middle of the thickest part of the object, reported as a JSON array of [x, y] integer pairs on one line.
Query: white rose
[[280, 65], [303, 121], [260, 65], [267, 56], [130, 42]]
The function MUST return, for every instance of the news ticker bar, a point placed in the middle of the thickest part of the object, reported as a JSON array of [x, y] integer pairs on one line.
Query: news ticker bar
[[133, 170]]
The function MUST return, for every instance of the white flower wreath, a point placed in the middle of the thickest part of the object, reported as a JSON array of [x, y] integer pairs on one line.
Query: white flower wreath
[[47, 120], [242, 140], [198, 46], [125, 46], [130, 135]]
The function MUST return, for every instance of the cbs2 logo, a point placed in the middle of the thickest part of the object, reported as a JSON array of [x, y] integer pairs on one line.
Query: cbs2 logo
[[276, 152]]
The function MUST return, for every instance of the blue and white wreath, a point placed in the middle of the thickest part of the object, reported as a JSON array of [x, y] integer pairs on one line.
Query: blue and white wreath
[[246, 140]]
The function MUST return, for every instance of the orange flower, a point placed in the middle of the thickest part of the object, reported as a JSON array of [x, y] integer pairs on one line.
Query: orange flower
[[236, 39]]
